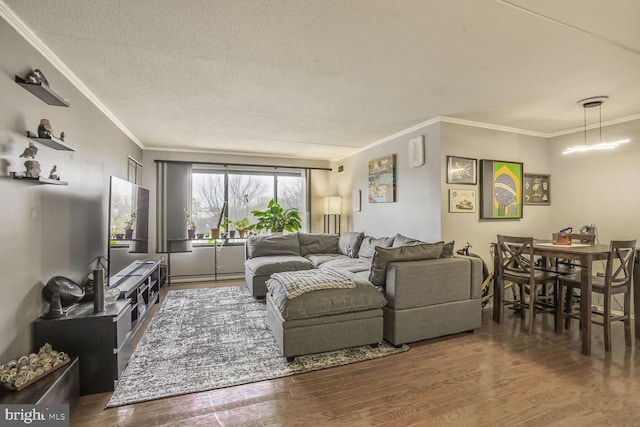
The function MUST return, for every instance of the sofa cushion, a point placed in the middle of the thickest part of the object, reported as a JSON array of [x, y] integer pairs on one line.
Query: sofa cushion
[[383, 256], [400, 240], [368, 246], [326, 302], [353, 265], [318, 243], [267, 265], [349, 243], [287, 244], [319, 259]]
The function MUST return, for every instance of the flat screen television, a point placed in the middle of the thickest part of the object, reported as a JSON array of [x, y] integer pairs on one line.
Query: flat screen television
[[128, 229]]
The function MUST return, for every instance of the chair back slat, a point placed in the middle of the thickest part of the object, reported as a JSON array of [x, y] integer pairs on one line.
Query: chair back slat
[[515, 255], [619, 268]]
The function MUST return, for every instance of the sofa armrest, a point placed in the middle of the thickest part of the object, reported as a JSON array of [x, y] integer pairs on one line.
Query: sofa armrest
[[413, 284]]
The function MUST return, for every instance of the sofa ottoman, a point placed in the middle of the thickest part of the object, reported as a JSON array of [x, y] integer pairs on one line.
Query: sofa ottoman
[[326, 319]]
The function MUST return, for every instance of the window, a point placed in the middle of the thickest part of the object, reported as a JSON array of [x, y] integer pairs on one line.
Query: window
[[244, 191]]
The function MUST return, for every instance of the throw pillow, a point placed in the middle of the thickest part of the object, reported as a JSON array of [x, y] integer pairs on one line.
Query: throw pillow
[[287, 244], [349, 243], [383, 256], [368, 246], [400, 240], [318, 243], [447, 249]]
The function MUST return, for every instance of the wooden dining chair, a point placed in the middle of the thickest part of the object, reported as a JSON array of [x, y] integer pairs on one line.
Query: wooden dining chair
[[617, 279], [516, 264]]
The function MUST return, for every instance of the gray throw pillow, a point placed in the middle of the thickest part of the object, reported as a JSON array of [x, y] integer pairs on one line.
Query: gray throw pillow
[[400, 240], [383, 256], [368, 246], [349, 243], [447, 249], [318, 243], [287, 244]]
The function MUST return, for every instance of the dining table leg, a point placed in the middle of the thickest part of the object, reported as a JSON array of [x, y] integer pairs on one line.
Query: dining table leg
[[636, 294], [585, 304]]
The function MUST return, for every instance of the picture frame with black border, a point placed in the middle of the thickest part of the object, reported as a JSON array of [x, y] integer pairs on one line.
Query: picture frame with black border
[[537, 189], [462, 170]]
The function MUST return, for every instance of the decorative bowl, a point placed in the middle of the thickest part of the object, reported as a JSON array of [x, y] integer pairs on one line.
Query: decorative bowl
[[111, 296]]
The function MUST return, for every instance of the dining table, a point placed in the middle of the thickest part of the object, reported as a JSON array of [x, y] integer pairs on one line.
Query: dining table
[[585, 254]]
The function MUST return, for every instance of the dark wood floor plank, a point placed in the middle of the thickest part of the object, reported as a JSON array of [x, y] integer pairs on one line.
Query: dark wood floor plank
[[497, 375]]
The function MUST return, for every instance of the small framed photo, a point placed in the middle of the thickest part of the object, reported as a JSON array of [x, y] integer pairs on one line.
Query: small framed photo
[[462, 200], [461, 170], [537, 189]]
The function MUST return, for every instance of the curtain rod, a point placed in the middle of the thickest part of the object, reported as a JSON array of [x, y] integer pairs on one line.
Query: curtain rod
[[242, 164]]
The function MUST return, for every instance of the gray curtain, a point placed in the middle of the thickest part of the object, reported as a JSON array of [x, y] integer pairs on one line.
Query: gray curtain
[[173, 184]]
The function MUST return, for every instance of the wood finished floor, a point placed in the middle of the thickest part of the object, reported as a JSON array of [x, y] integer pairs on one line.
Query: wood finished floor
[[497, 376]]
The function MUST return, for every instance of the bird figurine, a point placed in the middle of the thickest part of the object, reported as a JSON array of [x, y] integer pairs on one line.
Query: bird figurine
[[62, 136], [52, 174], [44, 130], [30, 152]]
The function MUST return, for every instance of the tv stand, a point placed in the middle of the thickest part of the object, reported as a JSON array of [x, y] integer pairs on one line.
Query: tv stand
[[140, 283], [103, 341]]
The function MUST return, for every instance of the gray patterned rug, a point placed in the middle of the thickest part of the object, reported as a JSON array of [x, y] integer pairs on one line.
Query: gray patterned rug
[[204, 339]]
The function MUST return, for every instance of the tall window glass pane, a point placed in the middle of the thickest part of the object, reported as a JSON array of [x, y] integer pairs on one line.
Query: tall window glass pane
[[248, 192], [208, 199]]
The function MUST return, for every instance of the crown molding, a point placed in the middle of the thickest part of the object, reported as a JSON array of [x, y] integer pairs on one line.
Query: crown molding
[[23, 30]]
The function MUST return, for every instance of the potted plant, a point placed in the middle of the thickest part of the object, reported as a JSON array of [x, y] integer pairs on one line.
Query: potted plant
[[191, 225], [224, 227], [128, 225], [275, 219], [242, 225]]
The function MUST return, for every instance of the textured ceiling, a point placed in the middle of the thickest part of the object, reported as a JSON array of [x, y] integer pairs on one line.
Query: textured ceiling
[[320, 79]]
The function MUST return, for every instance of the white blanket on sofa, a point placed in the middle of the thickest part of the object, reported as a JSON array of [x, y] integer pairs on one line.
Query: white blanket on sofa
[[296, 283]]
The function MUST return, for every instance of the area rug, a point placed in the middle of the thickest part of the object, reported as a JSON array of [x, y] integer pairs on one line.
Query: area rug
[[204, 339]]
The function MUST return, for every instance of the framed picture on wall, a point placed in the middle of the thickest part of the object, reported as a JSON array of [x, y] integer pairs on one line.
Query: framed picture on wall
[[501, 185], [462, 200], [382, 179], [461, 170], [537, 189]]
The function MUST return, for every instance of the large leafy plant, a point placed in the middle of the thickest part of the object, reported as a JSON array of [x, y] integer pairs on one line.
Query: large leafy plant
[[276, 219]]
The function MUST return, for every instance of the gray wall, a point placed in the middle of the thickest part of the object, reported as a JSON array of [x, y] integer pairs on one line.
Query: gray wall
[[599, 187], [49, 230], [416, 211], [479, 143]]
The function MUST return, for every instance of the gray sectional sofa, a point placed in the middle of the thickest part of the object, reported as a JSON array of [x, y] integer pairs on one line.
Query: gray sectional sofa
[[405, 290]]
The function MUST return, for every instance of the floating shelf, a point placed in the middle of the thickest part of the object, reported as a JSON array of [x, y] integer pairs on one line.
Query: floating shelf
[[38, 180], [53, 142], [43, 92]]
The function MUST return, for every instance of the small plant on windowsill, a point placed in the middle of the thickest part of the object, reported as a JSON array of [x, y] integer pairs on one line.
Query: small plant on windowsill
[[242, 225], [128, 225], [191, 225]]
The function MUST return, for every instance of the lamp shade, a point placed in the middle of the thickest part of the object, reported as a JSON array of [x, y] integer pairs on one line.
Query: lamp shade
[[332, 205]]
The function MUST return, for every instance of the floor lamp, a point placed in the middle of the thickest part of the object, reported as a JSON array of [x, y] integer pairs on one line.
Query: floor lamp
[[332, 208]]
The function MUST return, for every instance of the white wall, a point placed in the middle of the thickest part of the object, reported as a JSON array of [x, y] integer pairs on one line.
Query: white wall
[[416, 211], [49, 230]]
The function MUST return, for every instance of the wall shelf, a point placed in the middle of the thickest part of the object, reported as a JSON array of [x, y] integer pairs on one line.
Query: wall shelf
[[38, 180], [43, 92], [52, 142]]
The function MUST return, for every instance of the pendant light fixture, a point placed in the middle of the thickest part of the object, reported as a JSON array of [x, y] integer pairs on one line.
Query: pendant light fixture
[[593, 102]]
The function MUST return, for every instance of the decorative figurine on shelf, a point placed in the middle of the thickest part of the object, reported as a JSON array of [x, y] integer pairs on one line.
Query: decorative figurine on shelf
[[52, 174], [30, 152], [44, 130], [33, 168], [62, 136], [36, 77]]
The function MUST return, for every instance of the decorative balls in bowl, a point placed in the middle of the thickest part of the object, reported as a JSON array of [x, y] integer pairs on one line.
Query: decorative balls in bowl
[[111, 296]]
